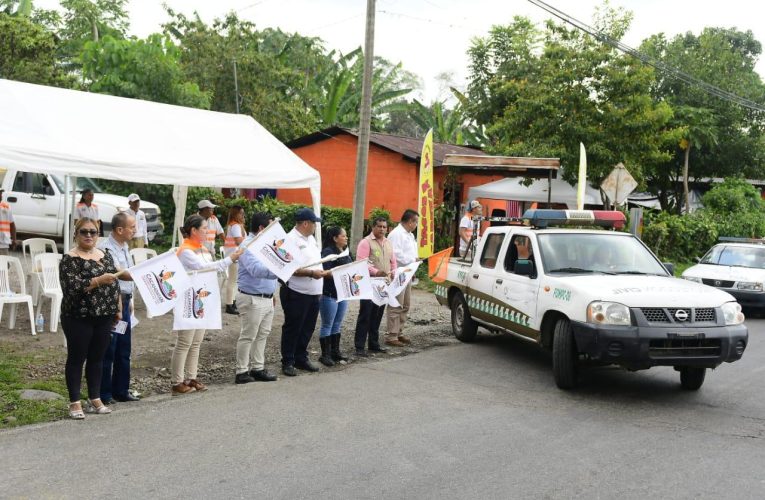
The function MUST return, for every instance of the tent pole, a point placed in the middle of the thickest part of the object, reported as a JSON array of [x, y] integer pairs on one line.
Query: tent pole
[[70, 213], [179, 197], [549, 188], [67, 226], [316, 200]]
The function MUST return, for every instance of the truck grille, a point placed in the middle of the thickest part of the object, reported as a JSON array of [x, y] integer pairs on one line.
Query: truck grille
[[678, 348], [151, 214], [667, 315], [718, 283]]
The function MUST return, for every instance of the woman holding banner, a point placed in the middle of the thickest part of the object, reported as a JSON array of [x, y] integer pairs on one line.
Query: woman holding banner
[[89, 308], [332, 312], [195, 257]]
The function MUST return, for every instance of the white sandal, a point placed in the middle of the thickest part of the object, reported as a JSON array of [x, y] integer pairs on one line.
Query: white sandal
[[76, 414], [101, 409]]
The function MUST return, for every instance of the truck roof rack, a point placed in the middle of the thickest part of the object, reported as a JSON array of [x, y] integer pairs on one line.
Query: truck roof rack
[[731, 239], [542, 218]]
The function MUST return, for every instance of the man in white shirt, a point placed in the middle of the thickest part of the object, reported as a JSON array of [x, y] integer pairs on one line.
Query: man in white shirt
[[214, 229], [300, 296], [141, 237], [467, 226], [405, 250]]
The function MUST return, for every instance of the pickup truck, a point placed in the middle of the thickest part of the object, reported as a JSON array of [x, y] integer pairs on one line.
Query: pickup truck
[[37, 202], [591, 295]]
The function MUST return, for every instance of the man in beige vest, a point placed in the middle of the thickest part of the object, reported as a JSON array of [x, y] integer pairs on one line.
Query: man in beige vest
[[382, 263]]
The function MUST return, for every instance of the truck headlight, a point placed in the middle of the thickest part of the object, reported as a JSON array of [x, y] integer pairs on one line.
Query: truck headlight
[[732, 313], [608, 313], [749, 285], [692, 278]]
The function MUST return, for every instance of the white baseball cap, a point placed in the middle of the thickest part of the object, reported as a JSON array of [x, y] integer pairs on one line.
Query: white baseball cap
[[474, 204], [133, 197], [206, 204]]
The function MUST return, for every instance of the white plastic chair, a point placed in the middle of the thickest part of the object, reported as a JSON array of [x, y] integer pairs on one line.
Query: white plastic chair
[[51, 287], [8, 295], [30, 248], [139, 255]]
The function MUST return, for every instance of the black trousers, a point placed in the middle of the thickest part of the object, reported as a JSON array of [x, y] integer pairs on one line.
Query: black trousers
[[86, 340], [300, 314], [368, 325]]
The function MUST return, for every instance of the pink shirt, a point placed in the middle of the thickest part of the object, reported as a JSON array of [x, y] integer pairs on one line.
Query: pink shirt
[[362, 252]]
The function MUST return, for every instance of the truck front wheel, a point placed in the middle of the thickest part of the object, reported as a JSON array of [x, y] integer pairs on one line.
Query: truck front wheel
[[463, 326], [692, 377], [565, 355]]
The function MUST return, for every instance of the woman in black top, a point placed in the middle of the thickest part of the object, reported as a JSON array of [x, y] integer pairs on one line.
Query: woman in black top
[[88, 311], [332, 311]]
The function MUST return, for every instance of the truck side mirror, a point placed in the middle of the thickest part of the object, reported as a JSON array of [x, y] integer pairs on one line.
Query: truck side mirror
[[524, 267], [670, 267]]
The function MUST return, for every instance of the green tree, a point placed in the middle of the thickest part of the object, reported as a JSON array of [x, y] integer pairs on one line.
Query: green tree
[[540, 92], [28, 52], [89, 20], [722, 138], [449, 126], [141, 69]]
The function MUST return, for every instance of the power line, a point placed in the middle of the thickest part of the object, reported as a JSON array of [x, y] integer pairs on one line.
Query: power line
[[664, 68]]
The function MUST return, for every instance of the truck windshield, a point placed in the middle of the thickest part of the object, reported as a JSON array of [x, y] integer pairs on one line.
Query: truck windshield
[[599, 253], [82, 184], [735, 256]]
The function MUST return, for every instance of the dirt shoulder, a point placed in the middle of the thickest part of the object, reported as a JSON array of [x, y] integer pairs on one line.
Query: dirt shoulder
[[153, 341]]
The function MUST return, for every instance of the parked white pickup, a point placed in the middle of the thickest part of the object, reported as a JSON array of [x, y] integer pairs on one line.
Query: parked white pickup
[[37, 202]]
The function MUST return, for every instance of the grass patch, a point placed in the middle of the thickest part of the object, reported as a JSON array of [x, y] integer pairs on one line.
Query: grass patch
[[16, 374]]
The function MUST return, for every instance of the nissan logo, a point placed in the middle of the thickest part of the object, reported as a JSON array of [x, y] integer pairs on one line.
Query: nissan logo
[[681, 315], [718, 283]]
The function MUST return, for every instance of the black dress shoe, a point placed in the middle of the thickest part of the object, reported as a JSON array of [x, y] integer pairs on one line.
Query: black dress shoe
[[263, 376], [126, 399], [243, 378], [361, 353], [289, 370], [109, 401], [231, 309], [307, 366], [377, 348]]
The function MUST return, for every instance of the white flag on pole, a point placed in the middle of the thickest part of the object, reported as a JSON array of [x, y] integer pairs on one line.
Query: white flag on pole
[[380, 294], [352, 281], [277, 252], [199, 306], [159, 281], [402, 277]]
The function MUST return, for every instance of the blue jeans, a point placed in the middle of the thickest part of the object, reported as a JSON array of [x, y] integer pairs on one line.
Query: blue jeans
[[332, 314], [115, 380]]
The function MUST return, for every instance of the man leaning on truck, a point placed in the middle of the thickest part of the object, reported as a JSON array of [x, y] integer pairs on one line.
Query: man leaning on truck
[[7, 227]]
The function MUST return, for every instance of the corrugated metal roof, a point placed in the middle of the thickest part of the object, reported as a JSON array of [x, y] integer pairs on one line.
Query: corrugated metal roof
[[408, 147]]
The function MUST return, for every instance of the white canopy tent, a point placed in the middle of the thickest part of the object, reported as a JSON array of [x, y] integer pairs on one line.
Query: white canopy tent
[[73, 133], [511, 188]]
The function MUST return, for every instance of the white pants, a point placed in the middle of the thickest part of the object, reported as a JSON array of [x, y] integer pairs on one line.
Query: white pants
[[257, 314], [185, 360]]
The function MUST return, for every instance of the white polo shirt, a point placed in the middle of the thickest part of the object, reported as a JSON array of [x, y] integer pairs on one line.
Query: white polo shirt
[[310, 248], [404, 245]]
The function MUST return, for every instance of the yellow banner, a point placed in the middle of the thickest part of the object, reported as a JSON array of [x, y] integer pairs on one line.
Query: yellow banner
[[425, 232]]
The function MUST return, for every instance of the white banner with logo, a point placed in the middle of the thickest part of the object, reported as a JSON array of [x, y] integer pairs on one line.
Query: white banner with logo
[[380, 294], [276, 252], [401, 278], [199, 306], [352, 281], [159, 281]]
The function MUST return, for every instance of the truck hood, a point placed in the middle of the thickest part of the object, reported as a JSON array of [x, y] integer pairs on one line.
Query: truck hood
[[117, 201], [646, 291], [726, 273]]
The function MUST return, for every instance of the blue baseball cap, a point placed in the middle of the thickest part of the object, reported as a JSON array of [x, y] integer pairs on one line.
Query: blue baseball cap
[[306, 214]]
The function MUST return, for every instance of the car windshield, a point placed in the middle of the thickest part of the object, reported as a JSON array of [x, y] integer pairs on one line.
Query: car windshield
[[726, 255], [604, 253], [82, 184]]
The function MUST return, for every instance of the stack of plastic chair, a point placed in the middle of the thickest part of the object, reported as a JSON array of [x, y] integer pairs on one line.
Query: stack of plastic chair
[[139, 255], [8, 266], [50, 285], [30, 248]]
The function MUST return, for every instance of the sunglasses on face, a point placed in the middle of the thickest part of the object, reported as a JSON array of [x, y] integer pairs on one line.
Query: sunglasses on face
[[88, 232]]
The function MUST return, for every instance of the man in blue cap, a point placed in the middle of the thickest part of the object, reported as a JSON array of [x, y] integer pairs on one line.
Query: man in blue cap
[[300, 296]]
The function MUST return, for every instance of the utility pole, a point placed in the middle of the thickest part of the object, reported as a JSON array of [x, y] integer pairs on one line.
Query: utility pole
[[362, 153]]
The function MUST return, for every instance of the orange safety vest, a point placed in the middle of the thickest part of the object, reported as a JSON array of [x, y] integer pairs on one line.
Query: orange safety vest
[[212, 231], [230, 242], [188, 244]]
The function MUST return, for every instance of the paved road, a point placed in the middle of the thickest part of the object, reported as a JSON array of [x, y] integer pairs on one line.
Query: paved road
[[463, 421]]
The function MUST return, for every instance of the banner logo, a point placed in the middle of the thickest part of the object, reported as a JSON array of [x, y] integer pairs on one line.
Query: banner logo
[[198, 309], [280, 252]]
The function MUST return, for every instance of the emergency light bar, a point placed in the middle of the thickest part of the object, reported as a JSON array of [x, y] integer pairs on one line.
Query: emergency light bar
[[543, 218]]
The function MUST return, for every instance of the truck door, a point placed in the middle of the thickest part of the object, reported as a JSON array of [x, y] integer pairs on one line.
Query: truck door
[[35, 204], [486, 271], [519, 292]]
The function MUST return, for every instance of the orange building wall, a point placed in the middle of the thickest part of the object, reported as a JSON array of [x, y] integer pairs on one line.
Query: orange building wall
[[391, 179]]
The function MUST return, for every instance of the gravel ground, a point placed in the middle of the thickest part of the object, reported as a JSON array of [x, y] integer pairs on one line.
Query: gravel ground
[[153, 341]]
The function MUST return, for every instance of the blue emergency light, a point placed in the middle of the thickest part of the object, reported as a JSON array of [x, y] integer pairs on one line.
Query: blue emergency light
[[543, 218]]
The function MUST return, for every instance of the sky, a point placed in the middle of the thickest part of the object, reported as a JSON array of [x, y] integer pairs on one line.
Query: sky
[[432, 36]]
